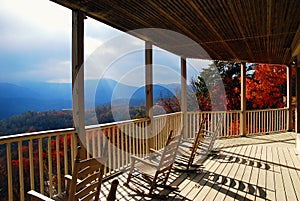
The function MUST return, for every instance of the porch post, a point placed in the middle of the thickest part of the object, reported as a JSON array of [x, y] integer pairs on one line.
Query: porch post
[[297, 120], [184, 97], [78, 78], [243, 99], [149, 90], [289, 98]]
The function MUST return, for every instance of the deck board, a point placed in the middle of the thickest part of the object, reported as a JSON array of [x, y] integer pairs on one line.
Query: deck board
[[240, 190], [293, 173], [262, 167], [217, 181], [270, 187]]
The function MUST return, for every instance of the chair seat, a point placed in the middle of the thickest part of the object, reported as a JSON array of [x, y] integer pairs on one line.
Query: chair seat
[[147, 169], [156, 169]]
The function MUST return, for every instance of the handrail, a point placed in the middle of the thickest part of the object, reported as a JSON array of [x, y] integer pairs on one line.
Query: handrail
[[40, 159]]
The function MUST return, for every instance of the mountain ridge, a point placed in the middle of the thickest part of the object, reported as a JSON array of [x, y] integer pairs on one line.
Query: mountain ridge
[[41, 96]]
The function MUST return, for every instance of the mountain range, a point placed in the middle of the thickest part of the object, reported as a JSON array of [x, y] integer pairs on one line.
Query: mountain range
[[36, 96]]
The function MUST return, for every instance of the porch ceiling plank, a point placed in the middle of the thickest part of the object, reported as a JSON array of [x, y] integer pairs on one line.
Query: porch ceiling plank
[[234, 30]]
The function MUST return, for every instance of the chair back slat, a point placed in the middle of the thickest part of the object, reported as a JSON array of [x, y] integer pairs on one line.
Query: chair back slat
[[87, 177], [88, 189], [170, 151], [216, 132], [198, 139], [91, 178]]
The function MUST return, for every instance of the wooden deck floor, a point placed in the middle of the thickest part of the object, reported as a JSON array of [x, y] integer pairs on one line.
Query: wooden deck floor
[[263, 167]]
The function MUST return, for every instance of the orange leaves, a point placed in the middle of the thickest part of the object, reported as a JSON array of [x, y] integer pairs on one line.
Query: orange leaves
[[266, 88]]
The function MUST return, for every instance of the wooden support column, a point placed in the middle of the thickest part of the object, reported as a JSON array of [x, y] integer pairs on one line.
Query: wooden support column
[[78, 78], [184, 97], [149, 90], [289, 97], [243, 99], [297, 120]]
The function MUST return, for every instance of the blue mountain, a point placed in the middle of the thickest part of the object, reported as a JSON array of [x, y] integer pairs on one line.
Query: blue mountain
[[33, 96]]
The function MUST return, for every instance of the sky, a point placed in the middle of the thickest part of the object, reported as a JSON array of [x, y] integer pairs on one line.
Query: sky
[[35, 45]]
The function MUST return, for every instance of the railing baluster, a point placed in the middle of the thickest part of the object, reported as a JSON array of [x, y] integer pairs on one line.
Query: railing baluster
[[58, 165], [21, 170], [31, 164], [66, 164], [118, 149], [50, 181], [41, 165], [92, 133], [9, 171]]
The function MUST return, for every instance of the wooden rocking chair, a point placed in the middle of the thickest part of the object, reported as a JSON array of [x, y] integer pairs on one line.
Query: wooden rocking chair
[[188, 149], [210, 137], [192, 153], [85, 182], [156, 170]]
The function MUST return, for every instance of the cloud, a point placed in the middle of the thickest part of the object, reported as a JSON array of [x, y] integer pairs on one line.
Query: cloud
[[35, 44]]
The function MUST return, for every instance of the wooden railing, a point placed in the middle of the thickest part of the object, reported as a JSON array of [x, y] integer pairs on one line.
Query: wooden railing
[[229, 127], [257, 121], [35, 161], [39, 160], [266, 121]]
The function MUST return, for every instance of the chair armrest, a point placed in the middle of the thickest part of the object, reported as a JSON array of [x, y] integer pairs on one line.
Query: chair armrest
[[38, 196], [142, 160], [68, 177], [155, 151]]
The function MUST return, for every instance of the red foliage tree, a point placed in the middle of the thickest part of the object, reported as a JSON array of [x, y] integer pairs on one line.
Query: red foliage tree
[[267, 87]]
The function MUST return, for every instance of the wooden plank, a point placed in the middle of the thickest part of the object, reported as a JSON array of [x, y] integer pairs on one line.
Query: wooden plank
[[228, 172], [248, 174], [201, 184], [242, 174], [196, 181], [261, 176], [270, 188], [279, 188], [293, 172], [261, 182], [287, 180], [239, 186], [296, 160], [254, 174], [220, 176]]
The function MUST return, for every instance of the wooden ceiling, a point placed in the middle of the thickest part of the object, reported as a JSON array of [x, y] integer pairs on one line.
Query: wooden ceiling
[[255, 31]]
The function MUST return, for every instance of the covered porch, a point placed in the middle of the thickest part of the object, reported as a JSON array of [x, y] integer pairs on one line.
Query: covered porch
[[247, 32], [258, 162]]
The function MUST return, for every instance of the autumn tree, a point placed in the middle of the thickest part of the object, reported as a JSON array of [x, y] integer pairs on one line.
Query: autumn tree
[[208, 82], [267, 87], [202, 93]]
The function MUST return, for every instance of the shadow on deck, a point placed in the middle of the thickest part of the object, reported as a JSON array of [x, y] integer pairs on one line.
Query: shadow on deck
[[261, 167]]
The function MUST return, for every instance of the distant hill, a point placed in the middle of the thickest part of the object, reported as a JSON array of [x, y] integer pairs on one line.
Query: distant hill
[[16, 99], [34, 96]]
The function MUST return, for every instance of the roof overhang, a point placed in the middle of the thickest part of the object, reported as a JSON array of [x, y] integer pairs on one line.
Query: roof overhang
[[253, 31]]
